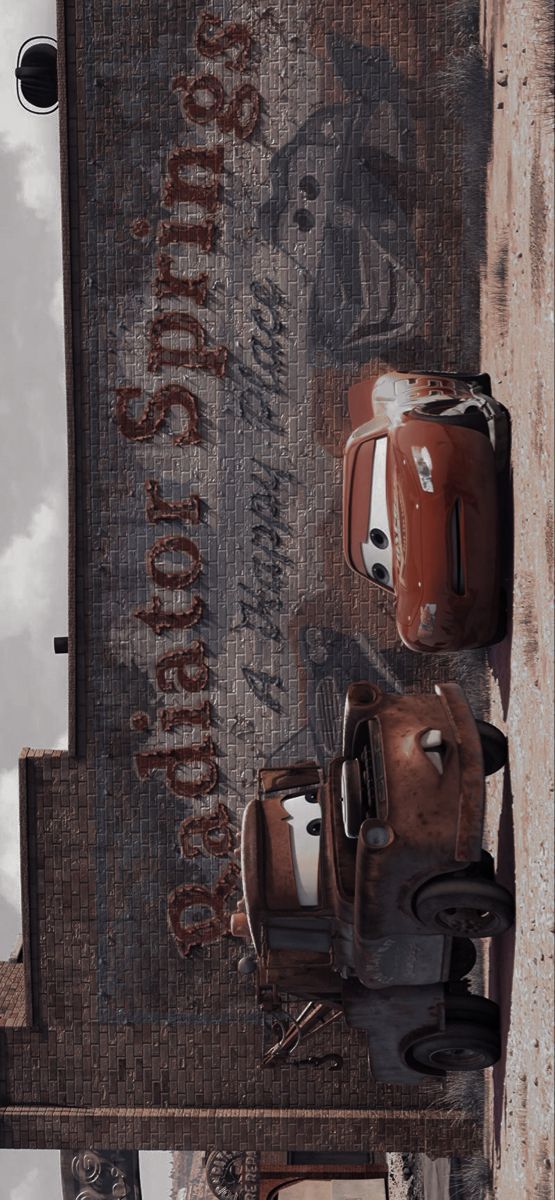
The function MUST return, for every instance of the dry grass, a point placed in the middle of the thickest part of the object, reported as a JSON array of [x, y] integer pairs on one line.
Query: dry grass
[[543, 23], [463, 21], [471, 1179], [465, 86], [498, 295]]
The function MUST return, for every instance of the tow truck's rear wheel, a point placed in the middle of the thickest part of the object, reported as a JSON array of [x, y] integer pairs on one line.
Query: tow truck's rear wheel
[[465, 906], [494, 747], [464, 1045], [470, 1040]]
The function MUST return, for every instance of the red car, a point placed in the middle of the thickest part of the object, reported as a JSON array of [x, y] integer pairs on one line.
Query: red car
[[421, 511]]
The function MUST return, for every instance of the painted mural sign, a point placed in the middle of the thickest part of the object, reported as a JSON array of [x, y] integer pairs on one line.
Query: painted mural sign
[[100, 1175], [276, 257], [194, 181]]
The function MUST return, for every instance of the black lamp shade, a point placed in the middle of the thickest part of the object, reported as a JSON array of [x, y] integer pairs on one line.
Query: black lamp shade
[[37, 75]]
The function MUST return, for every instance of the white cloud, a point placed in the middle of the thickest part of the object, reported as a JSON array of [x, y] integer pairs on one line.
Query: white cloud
[[155, 1167], [28, 1189], [29, 570], [38, 182], [10, 887], [10, 849], [56, 306], [30, 1174]]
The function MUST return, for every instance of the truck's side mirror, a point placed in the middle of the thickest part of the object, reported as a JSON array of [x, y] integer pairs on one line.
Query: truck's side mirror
[[239, 926]]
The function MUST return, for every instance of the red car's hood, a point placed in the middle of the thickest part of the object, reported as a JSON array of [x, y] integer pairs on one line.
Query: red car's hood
[[433, 572]]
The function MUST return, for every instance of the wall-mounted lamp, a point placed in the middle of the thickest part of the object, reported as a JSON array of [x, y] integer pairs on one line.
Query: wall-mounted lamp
[[37, 75]]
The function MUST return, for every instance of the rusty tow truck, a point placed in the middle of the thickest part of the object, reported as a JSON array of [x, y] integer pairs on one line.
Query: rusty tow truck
[[363, 892]]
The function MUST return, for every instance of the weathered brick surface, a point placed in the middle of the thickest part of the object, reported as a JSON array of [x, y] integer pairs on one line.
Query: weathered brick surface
[[271, 1128], [336, 248], [12, 994]]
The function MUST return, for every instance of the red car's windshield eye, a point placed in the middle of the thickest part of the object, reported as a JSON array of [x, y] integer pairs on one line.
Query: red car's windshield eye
[[379, 539], [380, 573]]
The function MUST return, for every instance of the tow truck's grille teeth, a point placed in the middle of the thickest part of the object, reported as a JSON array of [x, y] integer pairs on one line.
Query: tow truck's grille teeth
[[328, 712], [368, 782], [457, 581]]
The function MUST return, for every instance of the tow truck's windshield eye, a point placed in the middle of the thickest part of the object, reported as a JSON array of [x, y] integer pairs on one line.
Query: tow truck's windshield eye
[[304, 820]]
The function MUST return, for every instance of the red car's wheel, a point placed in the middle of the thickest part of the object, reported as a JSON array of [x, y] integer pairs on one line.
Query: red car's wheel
[[465, 907]]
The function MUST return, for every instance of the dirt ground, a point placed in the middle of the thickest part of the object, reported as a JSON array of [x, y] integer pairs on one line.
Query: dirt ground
[[517, 350]]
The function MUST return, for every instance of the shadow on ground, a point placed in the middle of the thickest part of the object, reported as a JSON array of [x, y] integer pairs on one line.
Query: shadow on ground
[[502, 954], [499, 655], [466, 84]]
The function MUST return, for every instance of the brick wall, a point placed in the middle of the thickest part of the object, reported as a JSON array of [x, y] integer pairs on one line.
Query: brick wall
[[12, 994], [293, 1129], [215, 321]]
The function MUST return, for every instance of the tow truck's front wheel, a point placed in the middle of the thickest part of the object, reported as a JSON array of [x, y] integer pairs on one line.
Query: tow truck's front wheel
[[465, 907], [461, 1046]]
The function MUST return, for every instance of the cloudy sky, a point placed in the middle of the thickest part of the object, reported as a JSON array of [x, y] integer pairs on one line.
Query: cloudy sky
[[33, 533]]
